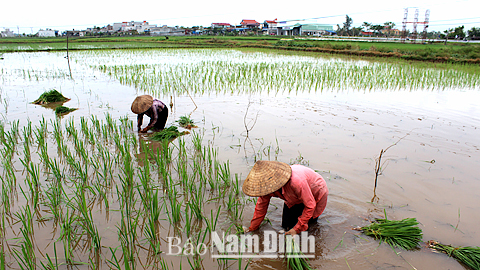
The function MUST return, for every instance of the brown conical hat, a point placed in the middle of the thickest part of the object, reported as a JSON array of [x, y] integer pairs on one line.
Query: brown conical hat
[[142, 103], [266, 177]]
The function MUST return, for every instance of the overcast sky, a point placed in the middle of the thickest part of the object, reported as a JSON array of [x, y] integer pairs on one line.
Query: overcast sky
[[29, 16]]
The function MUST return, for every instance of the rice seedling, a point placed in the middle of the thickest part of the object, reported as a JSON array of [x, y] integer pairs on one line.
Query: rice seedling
[[5, 199], [196, 201], [104, 168], [50, 97], [167, 134], [86, 219], [295, 259], [175, 208], [197, 141], [224, 173], [50, 265], [26, 257], [54, 196], [68, 235], [212, 222], [127, 236], [403, 233], [62, 110], [468, 256], [152, 229], [186, 122], [33, 183]]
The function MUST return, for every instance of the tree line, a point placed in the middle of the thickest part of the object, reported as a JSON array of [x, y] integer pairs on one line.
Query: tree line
[[387, 29]]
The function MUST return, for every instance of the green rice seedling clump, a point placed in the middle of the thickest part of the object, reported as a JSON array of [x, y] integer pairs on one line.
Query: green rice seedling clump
[[63, 110], [397, 233], [49, 97], [167, 134], [186, 122], [469, 256]]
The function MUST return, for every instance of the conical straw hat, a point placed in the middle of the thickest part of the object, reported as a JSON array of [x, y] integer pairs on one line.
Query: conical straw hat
[[266, 177], [142, 103]]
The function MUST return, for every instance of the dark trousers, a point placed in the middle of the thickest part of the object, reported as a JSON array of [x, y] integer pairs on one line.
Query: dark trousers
[[290, 216], [162, 119]]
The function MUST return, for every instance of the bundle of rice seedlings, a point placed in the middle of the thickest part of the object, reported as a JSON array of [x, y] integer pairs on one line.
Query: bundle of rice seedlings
[[296, 259], [403, 234], [49, 97], [63, 110], [168, 134], [469, 256], [186, 122]]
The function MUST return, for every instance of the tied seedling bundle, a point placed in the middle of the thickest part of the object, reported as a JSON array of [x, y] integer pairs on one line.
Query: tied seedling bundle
[[49, 97], [167, 134], [186, 122], [469, 256], [397, 233], [296, 259]]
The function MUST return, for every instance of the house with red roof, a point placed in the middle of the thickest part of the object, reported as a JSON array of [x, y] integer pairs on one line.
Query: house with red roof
[[270, 27], [221, 25], [249, 24]]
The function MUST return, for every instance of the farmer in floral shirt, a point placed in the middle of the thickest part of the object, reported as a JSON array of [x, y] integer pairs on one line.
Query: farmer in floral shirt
[[153, 108]]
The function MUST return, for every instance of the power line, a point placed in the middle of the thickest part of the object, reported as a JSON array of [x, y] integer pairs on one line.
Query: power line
[[458, 19], [456, 24]]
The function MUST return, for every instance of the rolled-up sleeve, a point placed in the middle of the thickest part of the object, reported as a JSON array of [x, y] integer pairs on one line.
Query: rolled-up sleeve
[[260, 211]]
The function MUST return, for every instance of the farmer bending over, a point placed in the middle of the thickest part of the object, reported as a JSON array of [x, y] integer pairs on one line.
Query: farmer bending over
[[303, 190], [153, 108]]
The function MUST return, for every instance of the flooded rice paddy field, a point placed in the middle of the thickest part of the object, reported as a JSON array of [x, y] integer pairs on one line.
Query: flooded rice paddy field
[[90, 189]]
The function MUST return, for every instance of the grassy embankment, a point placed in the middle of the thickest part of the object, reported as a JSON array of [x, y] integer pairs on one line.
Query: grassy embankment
[[433, 52]]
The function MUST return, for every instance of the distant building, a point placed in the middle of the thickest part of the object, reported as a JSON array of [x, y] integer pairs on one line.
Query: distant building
[[75, 33], [47, 33], [391, 32], [288, 29], [140, 27], [7, 33], [316, 29], [249, 24], [221, 25], [270, 27], [167, 31]]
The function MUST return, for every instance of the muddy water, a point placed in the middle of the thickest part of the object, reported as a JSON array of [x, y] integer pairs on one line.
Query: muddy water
[[430, 171]]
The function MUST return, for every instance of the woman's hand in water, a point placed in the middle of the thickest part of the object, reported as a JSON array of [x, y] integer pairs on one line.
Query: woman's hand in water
[[291, 232]]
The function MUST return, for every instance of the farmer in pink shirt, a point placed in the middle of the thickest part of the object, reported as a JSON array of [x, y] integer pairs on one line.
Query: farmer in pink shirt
[[303, 190]]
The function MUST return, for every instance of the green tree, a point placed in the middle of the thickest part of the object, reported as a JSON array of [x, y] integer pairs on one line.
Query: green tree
[[377, 28], [474, 33], [356, 31], [459, 32], [347, 24], [366, 25]]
